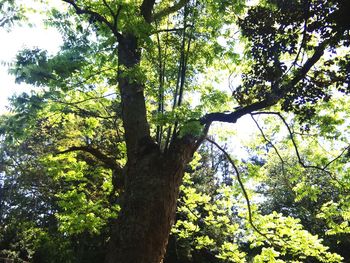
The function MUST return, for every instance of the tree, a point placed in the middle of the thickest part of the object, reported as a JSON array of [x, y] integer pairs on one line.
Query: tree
[[305, 173], [9, 13], [153, 53]]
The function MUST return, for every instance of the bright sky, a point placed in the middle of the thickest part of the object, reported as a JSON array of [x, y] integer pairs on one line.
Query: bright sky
[[11, 43], [14, 41]]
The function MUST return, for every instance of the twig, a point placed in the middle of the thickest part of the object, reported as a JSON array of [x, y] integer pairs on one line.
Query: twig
[[295, 146], [250, 217], [167, 30], [269, 142]]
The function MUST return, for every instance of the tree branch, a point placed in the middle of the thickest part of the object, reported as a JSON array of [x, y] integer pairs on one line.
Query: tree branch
[[170, 10], [146, 10], [272, 98], [295, 146], [269, 142], [250, 216], [109, 162], [336, 158], [95, 15], [232, 117], [166, 30], [109, 8]]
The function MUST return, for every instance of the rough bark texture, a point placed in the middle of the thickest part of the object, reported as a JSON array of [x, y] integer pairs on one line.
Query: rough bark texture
[[132, 96], [152, 178], [149, 205]]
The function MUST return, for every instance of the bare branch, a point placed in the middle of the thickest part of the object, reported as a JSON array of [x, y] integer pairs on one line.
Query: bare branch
[[295, 146], [336, 158], [250, 216], [269, 142]]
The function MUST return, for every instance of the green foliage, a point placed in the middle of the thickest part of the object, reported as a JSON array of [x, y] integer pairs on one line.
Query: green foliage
[[67, 196], [194, 128], [337, 216], [84, 206], [287, 234], [59, 147], [218, 222], [10, 13]]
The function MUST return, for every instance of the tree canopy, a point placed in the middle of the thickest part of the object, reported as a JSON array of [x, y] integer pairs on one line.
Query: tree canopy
[[129, 148]]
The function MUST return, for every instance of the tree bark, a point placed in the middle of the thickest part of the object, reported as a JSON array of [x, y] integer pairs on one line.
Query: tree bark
[[152, 178], [149, 205], [132, 96]]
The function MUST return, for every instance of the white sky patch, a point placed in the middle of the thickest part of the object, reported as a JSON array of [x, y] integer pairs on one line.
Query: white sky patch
[[14, 41]]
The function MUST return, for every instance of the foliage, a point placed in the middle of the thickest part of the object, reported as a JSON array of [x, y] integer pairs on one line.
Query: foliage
[[10, 12], [218, 222], [64, 152], [59, 193]]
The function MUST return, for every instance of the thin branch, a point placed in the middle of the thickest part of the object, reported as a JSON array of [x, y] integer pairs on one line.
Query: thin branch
[[271, 98], [202, 137], [269, 142], [82, 112], [166, 30], [114, 15], [87, 99], [108, 161], [336, 158], [93, 74], [295, 146], [160, 109], [179, 82], [95, 15], [183, 65], [115, 24], [250, 216], [109, 8]]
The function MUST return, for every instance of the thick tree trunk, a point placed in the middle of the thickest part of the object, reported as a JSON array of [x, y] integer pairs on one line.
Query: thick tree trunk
[[152, 178], [149, 205]]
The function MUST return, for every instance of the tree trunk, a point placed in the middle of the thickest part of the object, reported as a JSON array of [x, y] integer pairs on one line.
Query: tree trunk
[[149, 206], [152, 178]]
